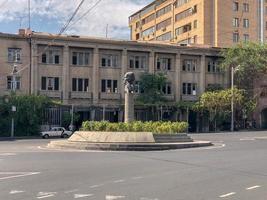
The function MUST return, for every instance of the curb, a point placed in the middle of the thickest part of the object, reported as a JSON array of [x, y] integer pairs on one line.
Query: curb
[[127, 146]]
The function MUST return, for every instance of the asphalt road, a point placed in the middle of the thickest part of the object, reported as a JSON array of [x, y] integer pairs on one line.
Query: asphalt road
[[235, 168]]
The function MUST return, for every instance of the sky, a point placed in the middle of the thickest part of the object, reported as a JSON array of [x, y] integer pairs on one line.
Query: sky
[[51, 15]]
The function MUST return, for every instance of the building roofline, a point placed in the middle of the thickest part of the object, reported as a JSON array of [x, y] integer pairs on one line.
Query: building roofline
[[75, 38], [153, 2]]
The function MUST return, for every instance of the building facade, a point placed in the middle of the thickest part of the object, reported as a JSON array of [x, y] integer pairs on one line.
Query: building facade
[[217, 23], [86, 73]]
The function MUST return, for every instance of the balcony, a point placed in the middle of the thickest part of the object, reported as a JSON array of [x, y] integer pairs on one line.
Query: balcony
[[52, 94], [189, 97], [81, 95], [110, 96]]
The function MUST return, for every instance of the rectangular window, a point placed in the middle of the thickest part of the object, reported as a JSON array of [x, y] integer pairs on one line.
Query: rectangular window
[[109, 60], [164, 64], [50, 83], [235, 22], [245, 23], [103, 85], [190, 65], [164, 24], [164, 10], [235, 6], [183, 29], [245, 7], [14, 55], [43, 87], [80, 58], [74, 84], [213, 67], [80, 85], [137, 62], [148, 31], [189, 89], [235, 37], [167, 89], [164, 37], [109, 86], [13, 84]]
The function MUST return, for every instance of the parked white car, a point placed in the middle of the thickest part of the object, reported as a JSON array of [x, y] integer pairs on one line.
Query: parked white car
[[56, 132]]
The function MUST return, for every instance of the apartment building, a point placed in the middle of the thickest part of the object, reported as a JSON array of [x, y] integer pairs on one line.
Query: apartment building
[[86, 73], [217, 23]]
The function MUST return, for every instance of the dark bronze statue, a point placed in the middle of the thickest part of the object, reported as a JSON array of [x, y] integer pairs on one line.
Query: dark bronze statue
[[128, 81]]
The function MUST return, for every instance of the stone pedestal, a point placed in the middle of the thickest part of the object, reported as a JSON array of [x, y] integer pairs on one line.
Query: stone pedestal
[[129, 107]]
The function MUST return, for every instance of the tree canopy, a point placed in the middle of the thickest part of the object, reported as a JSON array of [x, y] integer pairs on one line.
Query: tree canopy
[[151, 88]]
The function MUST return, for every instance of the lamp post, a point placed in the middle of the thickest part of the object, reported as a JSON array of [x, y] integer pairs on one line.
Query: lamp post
[[13, 88], [233, 70]]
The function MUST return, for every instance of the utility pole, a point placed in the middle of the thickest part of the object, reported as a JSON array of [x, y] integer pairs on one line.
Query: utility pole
[[29, 13], [232, 100], [107, 31], [13, 89], [261, 20]]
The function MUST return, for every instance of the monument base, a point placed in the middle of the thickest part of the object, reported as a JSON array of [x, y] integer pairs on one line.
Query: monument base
[[127, 141]]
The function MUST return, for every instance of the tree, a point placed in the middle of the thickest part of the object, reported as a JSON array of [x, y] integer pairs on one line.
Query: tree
[[28, 115], [151, 94], [151, 88], [251, 59], [218, 103]]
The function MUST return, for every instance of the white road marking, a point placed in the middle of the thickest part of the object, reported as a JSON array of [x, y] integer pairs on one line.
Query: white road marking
[[16, 174], [137, 177], [70, 191], [46, 196], [119, 181], [261, 138], [110, 197], [76, 196], [96, 186], [227, 195], [253, 187], [43, 195], [8, 154], [247, 139], [15, 191]]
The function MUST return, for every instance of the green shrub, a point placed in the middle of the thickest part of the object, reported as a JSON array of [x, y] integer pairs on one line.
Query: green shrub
[[137, 126]]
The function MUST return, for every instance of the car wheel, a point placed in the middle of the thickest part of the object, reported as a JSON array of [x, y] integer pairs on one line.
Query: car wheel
[[65, 136], [46, 136]]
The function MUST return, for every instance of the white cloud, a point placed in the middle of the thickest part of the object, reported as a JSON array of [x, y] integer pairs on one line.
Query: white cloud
[[115, 13]]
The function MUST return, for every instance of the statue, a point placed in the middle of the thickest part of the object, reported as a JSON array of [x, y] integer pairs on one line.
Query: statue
[[128, 81], [129, 88]]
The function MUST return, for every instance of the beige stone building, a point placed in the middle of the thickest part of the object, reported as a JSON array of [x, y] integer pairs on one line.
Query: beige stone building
[[87, 72], [217, 23]]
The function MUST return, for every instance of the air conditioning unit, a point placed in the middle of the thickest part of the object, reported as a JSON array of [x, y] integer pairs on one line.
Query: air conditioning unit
[[163, 29]]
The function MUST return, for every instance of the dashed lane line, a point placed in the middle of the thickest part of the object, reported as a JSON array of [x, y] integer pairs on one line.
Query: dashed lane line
[[227, 195], [77, 196], [8, 154], [43, 195], [16, 191], [96, 186], [119, 181], [111, 197], [10, 175], [253, 187], [71, 191]]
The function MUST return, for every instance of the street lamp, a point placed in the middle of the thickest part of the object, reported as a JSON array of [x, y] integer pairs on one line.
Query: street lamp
[[13, 88], [233, 70]]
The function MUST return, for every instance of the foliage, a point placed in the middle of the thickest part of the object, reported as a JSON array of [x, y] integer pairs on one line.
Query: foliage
[[137, 126], [151, 87], [214, 87], [251, 59], [28, 115], [218, 103], [66, 119]]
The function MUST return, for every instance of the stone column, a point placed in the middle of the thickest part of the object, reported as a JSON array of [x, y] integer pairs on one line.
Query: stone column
[[34, 69], [124, 67], [96, 78], [66, 75], [129, 107], [178, 84], [151, 64], [202, 78]]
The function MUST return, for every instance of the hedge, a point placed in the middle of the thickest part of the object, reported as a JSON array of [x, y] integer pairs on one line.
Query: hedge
[[137, 126]]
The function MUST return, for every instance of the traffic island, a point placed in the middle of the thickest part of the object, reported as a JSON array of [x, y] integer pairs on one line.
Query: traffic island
[[127, 141]]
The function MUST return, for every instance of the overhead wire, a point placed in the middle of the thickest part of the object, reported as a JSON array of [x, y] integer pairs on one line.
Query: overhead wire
[[62, 30]]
